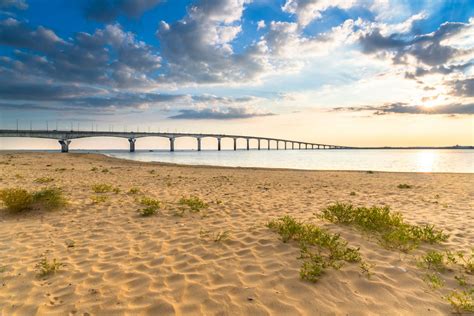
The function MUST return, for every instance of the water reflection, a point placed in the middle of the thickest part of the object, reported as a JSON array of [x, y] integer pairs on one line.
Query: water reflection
[[425, 160]]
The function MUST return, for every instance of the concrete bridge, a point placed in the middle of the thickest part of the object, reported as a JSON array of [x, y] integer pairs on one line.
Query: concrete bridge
[[65, 137]]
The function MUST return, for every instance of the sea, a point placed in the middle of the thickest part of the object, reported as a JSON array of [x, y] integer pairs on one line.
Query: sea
[[392, 160]]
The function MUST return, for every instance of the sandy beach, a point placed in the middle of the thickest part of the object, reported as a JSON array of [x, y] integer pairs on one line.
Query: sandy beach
[[119, 263]]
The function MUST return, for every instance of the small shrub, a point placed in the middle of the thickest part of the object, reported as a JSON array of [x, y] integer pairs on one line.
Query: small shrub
[[147, 211], [352, 193], [44, 180], [434, 281], [102, 188], [404, 186], [46, 267], [96, 199], [366, 268], [134, 191], [50, 198], [194, 203], [146, 201], [16, 200], [462, 301], [221, 236], [94, 169], [116, 190], [433, 260], [319, 249], [461, 279], [105, 170], [390, 228]]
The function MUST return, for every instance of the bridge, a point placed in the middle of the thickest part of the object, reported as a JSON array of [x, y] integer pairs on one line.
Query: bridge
[[65, 137]]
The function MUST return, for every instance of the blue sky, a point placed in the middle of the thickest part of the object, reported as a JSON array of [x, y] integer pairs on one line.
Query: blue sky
[[241, 65]]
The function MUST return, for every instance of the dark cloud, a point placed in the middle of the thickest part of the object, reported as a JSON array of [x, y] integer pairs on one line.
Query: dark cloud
[[20, 35], [403, 108], [108, 10], [463, 88], [17, 4], [110, 56], [431, 55], [218, 114]]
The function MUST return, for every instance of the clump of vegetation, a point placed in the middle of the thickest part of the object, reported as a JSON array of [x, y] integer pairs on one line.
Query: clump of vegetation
[[319, 248], [434, 281], [50, 198], [18, 200], [102, 188], [389, 227], [352, 193], [221, 236], [94, 169], [151, 206], [134, 190], [46, 267], [96, 199], [105, 170], [439, 261], [194, 203], [44, 180], [404, 186], [462, 301], [147, 211], [433, 260]]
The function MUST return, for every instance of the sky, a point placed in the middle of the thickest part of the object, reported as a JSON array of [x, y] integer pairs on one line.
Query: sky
[[345, 72]]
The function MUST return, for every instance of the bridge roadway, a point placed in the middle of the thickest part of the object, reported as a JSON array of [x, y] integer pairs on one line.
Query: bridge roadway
[[65, 137]]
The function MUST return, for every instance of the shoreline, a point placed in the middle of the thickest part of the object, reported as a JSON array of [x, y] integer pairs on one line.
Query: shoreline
[[229, 167]]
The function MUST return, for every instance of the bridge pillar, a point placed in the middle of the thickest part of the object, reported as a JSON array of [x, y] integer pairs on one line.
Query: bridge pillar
[[132, 144], [198, 143], [285, 145], [171, 143], [218, 144], [248, 143], [278, 144], [235, 143], [292, 145], [299, 145], [318, 146], [64, 145], [258, 140], [312, 146], [268, 141]]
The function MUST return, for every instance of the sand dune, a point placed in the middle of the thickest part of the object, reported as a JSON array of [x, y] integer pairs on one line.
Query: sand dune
[[118, 263]]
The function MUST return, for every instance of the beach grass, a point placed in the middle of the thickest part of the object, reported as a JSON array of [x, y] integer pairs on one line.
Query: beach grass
[[18, 200], [389, 227]]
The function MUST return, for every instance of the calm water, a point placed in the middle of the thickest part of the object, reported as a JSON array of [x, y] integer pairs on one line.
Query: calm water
[[378, 160]]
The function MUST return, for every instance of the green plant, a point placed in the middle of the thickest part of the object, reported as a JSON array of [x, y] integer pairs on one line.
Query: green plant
[[152, 171], [45, 267], [194, 203], [221, 236], [50, 198], [390, 228], [44, 180], [94, 169], [433, 260], [147, 211], [16, 199], [366, 268], [146, 201], [204, 233], [352, 193], [434, 280], [102, 188], [105, 170], [134, 190], [404, 186], [319, 249], [116, 190], [461, 279], [98, 199], [461, 301]]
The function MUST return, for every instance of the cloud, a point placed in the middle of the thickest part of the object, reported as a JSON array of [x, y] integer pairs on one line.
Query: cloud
[[404, 108], [308, 10], [227, 113], [463, 88], [198, 48], [18, 34], [261, 25], [110, 56], [426, 53], [108, 10], [18, 4]]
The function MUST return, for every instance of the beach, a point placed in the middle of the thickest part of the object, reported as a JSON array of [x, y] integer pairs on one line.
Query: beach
[[116, 262]]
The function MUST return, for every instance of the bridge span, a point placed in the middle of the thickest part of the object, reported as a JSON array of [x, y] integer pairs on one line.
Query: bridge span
[[65, 137]]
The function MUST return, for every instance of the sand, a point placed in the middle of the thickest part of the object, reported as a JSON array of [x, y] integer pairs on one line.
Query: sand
[[118, 263]]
